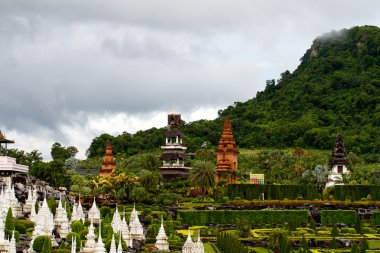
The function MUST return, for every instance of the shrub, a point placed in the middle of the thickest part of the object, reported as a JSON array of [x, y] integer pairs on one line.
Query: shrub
[[332, 217], [203, 217], [46, 248], [26, 223], [77, 226], [148, 219], [39, 241], [20, 228], [104, 210], [251, 191]]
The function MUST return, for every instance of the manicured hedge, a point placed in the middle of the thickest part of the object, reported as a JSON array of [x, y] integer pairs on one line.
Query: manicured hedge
[[332, 217], [253, 191], [375, 218], [356, 192], [205, 217]]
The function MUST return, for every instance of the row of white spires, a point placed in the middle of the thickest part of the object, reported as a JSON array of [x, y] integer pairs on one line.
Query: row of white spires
[[45, 222]]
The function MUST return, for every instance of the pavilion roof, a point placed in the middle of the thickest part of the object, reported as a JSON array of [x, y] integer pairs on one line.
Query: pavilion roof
[[3, 139]]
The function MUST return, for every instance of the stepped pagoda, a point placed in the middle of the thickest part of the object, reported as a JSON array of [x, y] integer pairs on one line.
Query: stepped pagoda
[[338, 163], [226, 155], [174, 156], [109, 164]]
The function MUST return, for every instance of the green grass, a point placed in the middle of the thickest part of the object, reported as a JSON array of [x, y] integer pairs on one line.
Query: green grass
[[261, 250], [209, 248], [372, 244]]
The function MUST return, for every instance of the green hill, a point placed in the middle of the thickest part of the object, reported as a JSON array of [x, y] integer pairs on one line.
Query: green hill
[[335, 89]]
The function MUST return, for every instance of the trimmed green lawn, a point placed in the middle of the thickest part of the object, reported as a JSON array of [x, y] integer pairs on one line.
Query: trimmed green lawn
[[261, 250], [209, 248], [372, 244]]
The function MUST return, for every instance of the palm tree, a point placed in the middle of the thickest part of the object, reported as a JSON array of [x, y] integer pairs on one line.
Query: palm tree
[[150, 179], [202, 175]]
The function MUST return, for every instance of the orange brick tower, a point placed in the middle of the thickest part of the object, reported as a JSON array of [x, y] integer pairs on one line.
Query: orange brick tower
[[226, 155], [108, 165]]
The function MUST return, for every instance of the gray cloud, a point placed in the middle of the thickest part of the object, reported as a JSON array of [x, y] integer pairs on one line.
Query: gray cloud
[[61, 61]]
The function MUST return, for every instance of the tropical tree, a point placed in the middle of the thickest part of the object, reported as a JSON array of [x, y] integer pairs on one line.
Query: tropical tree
[[150, 179], [202, 175]]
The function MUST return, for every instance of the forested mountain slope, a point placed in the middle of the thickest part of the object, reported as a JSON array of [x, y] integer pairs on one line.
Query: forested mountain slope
[[335, 89]]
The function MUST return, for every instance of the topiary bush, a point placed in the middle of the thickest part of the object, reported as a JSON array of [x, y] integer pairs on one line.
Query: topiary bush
[[47, 247], [77, 226], [148, 219], [39, 241], [104, 210]]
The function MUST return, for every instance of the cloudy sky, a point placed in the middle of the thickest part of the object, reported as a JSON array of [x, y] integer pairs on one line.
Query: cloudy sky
[[73, 69]]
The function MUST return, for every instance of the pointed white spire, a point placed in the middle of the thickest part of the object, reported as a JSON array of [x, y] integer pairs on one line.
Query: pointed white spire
[[2, 232], [116, 221], [100, 245], [12, 244], [125, 231], [94, 213], [113, 245], [90, 243], [73, 244], [80, 213], [136, 230], [199, 248], [161, 239], [188, 247], [119, 246]]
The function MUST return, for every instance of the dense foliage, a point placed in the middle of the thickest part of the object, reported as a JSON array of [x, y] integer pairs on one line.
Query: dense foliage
[[356, 192], [375, 218], [227, 243], [332, 217], [204, 217], [335, 89], [253, 191]]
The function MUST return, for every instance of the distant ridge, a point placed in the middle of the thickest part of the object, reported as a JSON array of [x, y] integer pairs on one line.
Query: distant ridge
[[335, 89]]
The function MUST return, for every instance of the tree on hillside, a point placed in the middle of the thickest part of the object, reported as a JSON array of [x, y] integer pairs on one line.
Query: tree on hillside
[[202, 175], [59, 152], [150, 179]]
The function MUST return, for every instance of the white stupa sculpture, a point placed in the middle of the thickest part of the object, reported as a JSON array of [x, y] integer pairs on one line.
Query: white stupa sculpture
[[94, 213], [27, 207], [116, 221], [136, 230], [4, 244], [44, 223], [73, 244], [4, 203], [113, 245], [74, 215], [14, 203], [99, 247], [12, 244], [61, 221], [120, 246], [188, 247], [161, 239], [125, 231], [33, 214], [198, 245], [90, 244], [80, 213]]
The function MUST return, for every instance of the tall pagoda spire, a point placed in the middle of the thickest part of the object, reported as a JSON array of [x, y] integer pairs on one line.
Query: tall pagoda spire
[[174, 156], [109, 164], [338, 163], [339, 154], [227, 154]]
